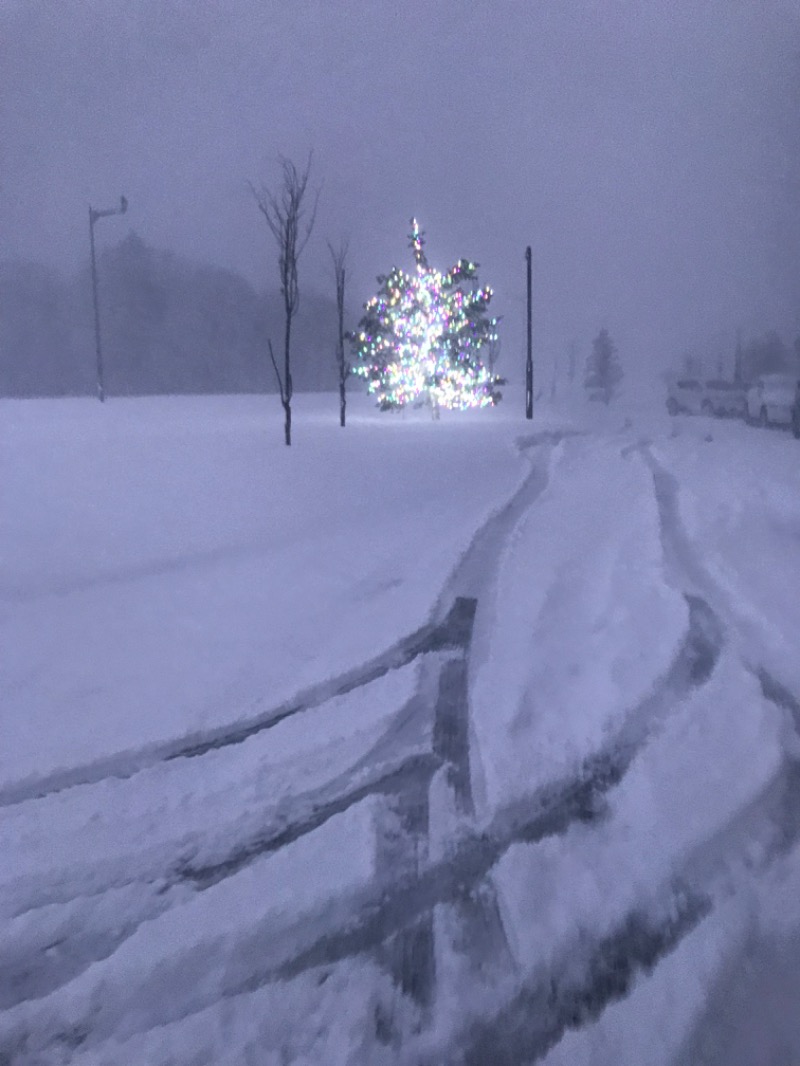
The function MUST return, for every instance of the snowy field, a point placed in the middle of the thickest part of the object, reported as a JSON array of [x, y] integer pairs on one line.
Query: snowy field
[[426, 742]]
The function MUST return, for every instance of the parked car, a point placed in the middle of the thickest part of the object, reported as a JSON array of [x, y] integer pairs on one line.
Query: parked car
[[685, 396], [724, 398], [771, 399]]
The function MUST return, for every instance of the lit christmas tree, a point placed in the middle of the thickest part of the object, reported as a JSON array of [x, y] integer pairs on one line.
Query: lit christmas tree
[[421, 337]]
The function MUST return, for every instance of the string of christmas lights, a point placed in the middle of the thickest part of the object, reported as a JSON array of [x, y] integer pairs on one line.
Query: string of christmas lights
[[421, 337]]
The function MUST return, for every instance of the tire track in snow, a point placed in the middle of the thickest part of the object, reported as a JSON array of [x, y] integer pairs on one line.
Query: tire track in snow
[[377, 773], [409, 954], [446, 633], [476, 569], [550, 1003], [29, 974], [411, 950], [578, 799], [408, 948], [432, 637], [548, 812], [776, 693], [398, 921], [574, 994], [466, 932], [396, 762], [689, 572], [686, 570], [535, 1018], [32, 974], [413, 775], [401, 748], [462, 884], [538, 1015]]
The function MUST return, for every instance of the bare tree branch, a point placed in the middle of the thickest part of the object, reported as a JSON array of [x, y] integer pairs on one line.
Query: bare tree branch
[[339, 256], [277, 372], [284, 213]]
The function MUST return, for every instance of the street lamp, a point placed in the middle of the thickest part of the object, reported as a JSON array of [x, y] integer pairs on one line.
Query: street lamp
[[93, 217]]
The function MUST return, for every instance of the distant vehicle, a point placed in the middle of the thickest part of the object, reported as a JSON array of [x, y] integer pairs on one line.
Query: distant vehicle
[[771, 399], [724, 398], [796, 412], [685, 395]]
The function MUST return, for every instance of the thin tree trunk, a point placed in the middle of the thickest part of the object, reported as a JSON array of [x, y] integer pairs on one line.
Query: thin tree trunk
[[339, 272], [283, 212], [342, 372]]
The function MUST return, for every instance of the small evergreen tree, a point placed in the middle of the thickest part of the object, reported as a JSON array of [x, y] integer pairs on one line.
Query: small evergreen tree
[[603, 371], [422, 335]]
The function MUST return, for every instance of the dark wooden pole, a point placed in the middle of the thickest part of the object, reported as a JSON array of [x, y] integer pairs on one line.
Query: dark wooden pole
[[529, 360], [342, 368], [93, 215]]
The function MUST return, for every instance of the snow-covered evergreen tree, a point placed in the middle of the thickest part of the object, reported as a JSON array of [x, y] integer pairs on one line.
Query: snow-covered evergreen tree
[[603, 370]]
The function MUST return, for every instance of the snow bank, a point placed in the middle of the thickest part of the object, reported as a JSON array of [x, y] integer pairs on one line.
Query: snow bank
[[739, 498], [674, 815], [580, 624], [340, 1008], [114, 830], [165, 563], [200, 952], [750, 1014], [651, 1023]]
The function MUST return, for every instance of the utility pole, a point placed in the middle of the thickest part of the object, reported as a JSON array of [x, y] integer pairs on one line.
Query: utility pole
[[554, 380], [737, 358], [529, 360], [93, 217]]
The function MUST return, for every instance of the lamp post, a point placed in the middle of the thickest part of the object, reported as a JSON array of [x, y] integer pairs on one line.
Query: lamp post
[[529, 355], [93, 217]]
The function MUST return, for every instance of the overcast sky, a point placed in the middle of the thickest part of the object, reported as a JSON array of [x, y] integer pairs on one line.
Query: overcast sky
[[646, 149]]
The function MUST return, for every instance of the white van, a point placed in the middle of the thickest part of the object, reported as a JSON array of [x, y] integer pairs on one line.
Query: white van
[[724, 398], [770, 399]]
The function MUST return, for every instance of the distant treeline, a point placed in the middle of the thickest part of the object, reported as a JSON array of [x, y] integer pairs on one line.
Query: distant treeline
[[168, 326], [766, 353]]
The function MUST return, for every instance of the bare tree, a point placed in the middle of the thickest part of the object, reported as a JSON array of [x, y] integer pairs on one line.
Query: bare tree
[[339, 257], [284, 212]]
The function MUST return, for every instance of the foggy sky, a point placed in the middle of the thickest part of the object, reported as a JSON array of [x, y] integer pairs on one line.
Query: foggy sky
[[646, 150]]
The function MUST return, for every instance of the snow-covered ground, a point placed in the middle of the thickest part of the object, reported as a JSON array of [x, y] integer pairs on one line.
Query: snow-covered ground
[[459, 741]]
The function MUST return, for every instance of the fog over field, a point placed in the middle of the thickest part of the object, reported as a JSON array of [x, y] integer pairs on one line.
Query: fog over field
[[648, 152]]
